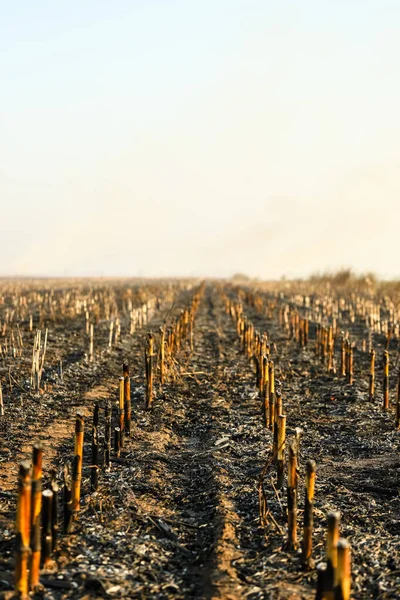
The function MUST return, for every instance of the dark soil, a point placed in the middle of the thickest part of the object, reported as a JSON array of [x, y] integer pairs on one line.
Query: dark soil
[[178, 514]]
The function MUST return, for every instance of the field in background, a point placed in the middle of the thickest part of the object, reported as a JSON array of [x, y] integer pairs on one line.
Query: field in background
[[201, 487]]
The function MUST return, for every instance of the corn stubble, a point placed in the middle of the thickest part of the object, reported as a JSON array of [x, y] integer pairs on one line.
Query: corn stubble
[[323, 326], [23, 530], [36, 509]]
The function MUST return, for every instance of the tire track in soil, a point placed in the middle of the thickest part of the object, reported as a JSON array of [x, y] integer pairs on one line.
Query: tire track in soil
[[205, 431], [212, 466], [187, 486]]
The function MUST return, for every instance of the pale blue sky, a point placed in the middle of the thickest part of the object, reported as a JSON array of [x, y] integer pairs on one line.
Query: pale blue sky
[[155, 138]]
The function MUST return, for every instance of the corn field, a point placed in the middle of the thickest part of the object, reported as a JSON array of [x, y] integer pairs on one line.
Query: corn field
[[200, 439]]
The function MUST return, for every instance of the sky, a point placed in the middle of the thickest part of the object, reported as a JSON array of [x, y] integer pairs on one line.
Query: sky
[[199, 138]]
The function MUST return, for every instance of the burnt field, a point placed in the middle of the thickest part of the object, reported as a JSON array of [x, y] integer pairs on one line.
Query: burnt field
[[197, 439]]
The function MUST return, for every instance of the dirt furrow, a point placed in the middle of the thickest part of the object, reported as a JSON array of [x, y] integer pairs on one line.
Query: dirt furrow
[[165, 521]]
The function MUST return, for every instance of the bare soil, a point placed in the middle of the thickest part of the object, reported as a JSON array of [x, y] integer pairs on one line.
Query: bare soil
[[178, 514]]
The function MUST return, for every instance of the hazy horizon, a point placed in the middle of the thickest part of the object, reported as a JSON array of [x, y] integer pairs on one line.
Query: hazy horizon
[[204, 277], [199, 139]]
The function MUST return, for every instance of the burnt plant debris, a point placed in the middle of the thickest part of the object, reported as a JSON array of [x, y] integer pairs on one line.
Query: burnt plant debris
[[205, 436]]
